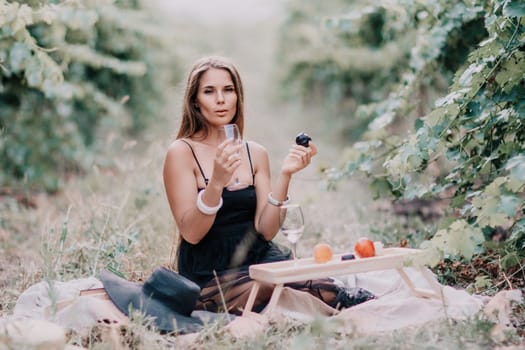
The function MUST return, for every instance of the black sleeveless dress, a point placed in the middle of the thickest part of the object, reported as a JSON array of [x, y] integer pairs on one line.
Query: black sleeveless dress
[[232, 243]]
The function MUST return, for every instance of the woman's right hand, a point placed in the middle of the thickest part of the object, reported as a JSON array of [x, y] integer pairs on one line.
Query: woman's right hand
[[227, 160]]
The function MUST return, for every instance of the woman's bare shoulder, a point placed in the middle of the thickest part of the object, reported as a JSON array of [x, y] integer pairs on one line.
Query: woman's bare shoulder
[[178, 148], [257, 148], [178, 152], [259, 156]]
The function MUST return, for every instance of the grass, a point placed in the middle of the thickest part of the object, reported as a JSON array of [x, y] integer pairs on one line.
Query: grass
[[117, 216]]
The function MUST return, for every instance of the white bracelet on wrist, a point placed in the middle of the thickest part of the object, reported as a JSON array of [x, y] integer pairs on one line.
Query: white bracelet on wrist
[[277, 203], [205, 209]]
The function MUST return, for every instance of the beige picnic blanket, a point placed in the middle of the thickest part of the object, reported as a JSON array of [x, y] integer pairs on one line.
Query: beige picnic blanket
[[63, 304], [396, 306]]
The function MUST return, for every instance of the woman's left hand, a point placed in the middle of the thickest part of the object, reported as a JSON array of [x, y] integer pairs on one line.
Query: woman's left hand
[[298, 158]]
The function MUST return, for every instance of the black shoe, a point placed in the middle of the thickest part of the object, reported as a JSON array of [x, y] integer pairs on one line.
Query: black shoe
[[348, 297]]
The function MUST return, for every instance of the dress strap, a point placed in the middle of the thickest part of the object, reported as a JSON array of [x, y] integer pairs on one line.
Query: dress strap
[[251, 165], [197, 161]]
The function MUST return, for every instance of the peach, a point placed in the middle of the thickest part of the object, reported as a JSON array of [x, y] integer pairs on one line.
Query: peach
[[322, 253]]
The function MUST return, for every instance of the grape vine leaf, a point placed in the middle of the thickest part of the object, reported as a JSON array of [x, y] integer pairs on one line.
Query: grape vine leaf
[[380, 187], [516, 168], [514, 8], [511, 70], [18, 56], [23, 19], [494, 206], [458, 239], [518, 234]]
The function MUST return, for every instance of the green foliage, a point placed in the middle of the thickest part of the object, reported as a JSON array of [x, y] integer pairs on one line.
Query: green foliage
[[475, 134], [66, 69], [341, 61], [364, 64], [459, 239]]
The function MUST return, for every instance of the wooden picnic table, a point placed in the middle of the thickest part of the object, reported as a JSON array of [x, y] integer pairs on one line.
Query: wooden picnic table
[[282, 272]]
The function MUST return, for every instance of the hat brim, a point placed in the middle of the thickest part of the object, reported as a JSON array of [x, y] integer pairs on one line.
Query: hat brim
[[125, 295]]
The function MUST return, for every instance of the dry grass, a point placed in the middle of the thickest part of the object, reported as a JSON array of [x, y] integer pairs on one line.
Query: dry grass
[[117, 215]]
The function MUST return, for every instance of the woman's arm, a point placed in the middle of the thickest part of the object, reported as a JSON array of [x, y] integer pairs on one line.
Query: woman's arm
[[181, 187], [267, 215]]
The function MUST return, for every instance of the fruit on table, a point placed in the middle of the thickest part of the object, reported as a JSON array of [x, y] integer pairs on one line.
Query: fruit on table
[[322, 253], [364, 248], [302, 139]]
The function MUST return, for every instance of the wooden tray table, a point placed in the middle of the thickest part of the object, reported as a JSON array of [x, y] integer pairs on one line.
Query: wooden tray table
[[279, 273]]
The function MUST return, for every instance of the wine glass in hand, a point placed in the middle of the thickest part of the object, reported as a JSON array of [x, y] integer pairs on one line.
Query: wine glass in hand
[[291, 222], [231, 131]]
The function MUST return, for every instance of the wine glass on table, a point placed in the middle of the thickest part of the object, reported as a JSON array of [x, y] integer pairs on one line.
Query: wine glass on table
[[291, 223], [231, 131]]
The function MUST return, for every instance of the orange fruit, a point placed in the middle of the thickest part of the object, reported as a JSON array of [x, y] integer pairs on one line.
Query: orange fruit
[[364, 248], [322, 253]]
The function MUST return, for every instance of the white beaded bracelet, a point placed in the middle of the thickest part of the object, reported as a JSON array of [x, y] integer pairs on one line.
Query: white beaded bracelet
[[205, 209], [277, 203]]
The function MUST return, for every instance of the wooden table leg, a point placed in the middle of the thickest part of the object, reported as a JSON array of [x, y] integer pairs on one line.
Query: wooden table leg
[[275, 297], [251, 298], [436, 287], [405, 278]]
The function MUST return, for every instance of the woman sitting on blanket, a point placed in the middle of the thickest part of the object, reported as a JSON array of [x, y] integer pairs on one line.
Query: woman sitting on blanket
[[225, 231]]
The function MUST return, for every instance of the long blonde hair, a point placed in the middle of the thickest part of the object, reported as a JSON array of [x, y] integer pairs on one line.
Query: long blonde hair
[[192, 119]]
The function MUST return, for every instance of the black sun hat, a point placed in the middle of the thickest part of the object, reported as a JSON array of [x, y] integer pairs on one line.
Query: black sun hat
[[167, 296]]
